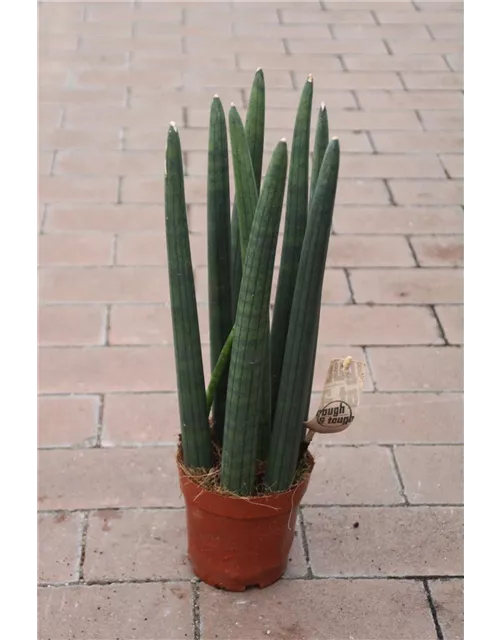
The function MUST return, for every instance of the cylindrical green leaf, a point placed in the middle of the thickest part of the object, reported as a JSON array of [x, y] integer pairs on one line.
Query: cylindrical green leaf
[[254, 130], [295, 225], [243, 146], [265, 418], [241, 435], [320, 144], [244, 178], [236, 268], [255, 122], [196, 443], [294, 385], [219, 253]]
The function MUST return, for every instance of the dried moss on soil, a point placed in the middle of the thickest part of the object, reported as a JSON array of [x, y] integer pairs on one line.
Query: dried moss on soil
[[210, 480]]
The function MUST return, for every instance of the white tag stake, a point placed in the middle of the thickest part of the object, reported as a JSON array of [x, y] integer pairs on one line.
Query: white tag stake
[[341, 396]]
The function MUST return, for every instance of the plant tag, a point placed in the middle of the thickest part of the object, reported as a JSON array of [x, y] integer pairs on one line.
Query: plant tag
[[341, 396]]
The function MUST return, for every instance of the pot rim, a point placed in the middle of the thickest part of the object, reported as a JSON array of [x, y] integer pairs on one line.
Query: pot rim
[[260, 506]]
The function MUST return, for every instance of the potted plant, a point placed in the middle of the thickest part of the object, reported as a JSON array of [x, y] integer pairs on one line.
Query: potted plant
[[242, 458]]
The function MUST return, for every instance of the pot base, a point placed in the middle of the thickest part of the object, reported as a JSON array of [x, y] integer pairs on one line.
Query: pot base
[[264, 580]]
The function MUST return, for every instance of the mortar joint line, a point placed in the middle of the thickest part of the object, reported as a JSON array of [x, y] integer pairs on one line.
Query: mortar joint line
[[100, 422], [305, 545], [432, 607], [128, 96], [356, 99], [402, 491], [62, 119], [429, 31], [378, 578], [446, 172], [375, 17], [195, 589], [83, 545], [372, 142], [370, 367], [119, 194], [349, 285], [441, 330], [413, 252], [447, 62], [392, 199], [420, 119], [401, 79], [53, 162]]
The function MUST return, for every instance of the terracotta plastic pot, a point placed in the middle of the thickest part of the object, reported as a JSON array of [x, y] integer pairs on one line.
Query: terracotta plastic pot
[[235, 543]]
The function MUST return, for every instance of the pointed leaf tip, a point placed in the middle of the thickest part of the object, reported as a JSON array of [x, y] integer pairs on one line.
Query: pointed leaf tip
[[322, 106], [309, 78], [173, 125]]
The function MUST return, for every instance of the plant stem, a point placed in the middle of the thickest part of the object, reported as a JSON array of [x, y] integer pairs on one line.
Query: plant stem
[[219, 369]]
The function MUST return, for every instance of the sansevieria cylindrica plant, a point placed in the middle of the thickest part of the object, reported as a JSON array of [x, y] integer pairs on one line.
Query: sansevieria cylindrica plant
[[249, 424]]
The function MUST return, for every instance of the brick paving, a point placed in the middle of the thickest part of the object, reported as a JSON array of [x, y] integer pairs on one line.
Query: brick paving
[[378, 550]]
